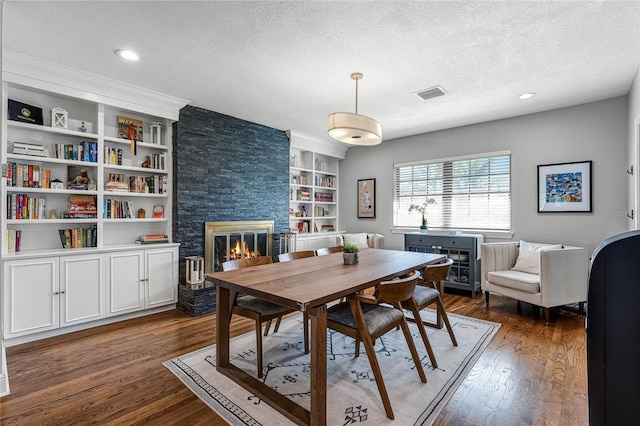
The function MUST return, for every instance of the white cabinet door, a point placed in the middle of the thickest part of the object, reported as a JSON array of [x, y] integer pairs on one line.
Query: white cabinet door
[[31, 291], [81, 289], [125, 282], [162, 276]]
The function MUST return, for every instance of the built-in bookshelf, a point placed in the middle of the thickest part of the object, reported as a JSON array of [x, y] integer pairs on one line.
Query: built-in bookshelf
[[76, 197], [313, 192]]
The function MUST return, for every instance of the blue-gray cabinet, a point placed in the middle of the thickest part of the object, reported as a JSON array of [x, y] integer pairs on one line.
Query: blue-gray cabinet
[[464, 249]]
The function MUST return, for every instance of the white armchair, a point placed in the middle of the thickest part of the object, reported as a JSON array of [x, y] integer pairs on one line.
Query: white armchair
[[561, 278], [364, 240]]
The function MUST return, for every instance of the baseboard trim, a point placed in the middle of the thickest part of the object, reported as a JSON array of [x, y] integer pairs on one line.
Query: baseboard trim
[[84, 326]]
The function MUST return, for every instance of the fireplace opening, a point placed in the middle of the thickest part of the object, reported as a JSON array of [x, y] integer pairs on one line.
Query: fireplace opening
[[236, 240]]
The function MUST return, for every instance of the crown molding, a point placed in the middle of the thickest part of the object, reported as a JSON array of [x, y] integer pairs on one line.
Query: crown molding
[[320, 146], [36, 73]]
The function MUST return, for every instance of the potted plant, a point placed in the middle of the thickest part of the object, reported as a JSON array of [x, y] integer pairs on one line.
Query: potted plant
[[422, 208], [350, 254]]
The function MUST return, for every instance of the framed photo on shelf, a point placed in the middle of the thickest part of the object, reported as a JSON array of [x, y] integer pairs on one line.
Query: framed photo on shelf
[[366, 198], [564, 187]]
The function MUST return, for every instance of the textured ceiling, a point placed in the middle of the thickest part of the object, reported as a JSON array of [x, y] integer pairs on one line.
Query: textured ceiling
[[288, 64]]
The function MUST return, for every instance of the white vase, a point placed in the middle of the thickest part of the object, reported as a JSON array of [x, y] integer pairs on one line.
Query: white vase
[[350, 258]]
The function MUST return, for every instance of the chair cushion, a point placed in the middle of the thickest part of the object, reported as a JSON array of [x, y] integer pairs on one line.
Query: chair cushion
[[358, 239], [424, 295], [377, 317], [260, 306], [529, 256], [521, 281]]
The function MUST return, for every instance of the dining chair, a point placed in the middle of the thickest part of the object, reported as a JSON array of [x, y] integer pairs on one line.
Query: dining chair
[[285, 257], [328, 250], [364, 318], [428, 291], [259, 310]]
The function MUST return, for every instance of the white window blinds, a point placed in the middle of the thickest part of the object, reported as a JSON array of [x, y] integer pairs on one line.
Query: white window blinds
[[471, 193]]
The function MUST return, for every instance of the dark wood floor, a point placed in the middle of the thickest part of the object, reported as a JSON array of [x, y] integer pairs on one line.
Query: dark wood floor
[[530, 374]]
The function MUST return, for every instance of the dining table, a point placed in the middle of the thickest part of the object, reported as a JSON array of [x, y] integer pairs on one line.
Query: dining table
[[306, 285]]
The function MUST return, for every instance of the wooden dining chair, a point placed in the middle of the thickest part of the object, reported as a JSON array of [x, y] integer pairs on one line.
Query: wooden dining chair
[[428, 291], [364, 318], [259, 310], [328, 250], [285, 257]]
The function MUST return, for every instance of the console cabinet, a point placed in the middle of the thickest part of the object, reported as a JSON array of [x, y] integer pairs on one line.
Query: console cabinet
[[464, 249]]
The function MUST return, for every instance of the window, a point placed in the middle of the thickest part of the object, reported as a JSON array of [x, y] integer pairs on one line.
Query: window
[[471, 193]]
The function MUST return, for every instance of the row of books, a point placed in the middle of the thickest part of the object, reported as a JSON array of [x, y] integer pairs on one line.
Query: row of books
[[300, 180], [153, 239], [302, 195], [117, 209], [24, 175], [84, 151], [326, 181], [326, 197], [81, 207], [156, 184], [79, 237], [22, 206], [14, 240], [321, 211], [113, 155]]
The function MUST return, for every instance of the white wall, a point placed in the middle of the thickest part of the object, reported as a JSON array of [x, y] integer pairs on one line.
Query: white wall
[[595, 131], [634, 150]]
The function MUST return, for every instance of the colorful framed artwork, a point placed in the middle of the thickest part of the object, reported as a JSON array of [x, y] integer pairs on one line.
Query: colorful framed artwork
[[130, 128], [366, 198], [564, 187]]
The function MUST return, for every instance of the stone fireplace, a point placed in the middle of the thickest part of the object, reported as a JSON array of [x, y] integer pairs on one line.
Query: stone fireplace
[[225, 241]]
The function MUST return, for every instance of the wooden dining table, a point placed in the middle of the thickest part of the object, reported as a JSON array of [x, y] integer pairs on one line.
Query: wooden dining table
[[306, 285]]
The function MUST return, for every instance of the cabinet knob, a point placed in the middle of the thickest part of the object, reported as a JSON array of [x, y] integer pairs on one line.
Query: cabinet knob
[[56, 292]]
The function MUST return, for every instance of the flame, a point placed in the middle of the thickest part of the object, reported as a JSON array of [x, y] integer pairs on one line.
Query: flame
[[239, 252]]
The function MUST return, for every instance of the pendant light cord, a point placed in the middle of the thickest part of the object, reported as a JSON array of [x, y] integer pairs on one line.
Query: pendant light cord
[[357, 95]]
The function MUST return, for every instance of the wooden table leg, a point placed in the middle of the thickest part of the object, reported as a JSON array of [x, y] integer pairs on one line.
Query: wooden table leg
[[223, 317], [318, 365]]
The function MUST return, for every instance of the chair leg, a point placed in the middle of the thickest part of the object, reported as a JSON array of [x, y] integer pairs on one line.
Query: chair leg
[[259, 347], [377, 374], [445, 318], [357, 349], [267, 326], [581, 308], [412, 349], [546, 316], [278, 321], [305, 330], [425, 339], [486, 298]]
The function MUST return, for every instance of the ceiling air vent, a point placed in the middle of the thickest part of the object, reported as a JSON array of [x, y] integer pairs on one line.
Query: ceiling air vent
[[431, 93]]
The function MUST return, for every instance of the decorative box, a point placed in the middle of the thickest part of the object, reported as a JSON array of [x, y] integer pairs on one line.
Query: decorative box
[[57, 184], [25, 113]]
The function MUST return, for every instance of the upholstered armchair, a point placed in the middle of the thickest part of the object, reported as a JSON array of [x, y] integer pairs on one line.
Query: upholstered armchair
[[364, 240], [550, 276]]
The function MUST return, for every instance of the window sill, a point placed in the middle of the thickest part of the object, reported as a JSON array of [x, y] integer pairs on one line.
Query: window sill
[[498, 235]]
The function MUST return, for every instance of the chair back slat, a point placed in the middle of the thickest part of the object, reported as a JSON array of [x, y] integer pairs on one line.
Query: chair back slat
[[397, 290], [328, 250], [246, 262], [437, 272], [285, 257]]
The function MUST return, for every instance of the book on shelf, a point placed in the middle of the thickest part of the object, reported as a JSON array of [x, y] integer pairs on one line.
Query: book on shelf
[[78, 237], [14, 240], [152, 242], [153, 237], [327, 228], [81, 207]]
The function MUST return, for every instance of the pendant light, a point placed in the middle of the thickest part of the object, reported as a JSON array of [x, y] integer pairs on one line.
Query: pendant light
[[352, 128]]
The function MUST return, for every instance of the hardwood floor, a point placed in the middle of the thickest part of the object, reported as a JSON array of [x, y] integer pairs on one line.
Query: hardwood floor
[[530, 374]]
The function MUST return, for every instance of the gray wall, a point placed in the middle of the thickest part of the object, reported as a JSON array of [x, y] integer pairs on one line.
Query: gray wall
[[595, 131], [226, 169]]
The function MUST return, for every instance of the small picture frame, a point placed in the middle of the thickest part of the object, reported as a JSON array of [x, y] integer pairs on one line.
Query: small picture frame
[[366, 198], [565, 187]]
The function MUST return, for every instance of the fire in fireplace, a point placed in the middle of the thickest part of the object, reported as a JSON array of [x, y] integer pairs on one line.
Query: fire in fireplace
[[236, 240]]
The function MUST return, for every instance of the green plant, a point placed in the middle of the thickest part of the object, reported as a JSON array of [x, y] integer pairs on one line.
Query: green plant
[[422, 208], [350, 248]]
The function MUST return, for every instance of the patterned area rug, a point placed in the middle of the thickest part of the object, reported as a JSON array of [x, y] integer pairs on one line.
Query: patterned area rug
[[352, 394]]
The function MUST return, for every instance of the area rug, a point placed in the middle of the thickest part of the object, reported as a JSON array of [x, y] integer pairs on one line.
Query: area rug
[[352, 394]]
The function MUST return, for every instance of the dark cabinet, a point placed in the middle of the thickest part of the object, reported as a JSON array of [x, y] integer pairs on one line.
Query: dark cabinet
[[464, 249]]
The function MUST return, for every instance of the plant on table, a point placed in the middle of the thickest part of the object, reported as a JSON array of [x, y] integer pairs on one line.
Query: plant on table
[[350, 254], [422, 208]]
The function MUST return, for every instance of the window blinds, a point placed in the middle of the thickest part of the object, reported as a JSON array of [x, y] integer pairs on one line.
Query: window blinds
[[471, 192]]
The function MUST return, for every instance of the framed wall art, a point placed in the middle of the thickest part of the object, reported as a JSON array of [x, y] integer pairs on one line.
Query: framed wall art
[[564, 187], [366, 198]]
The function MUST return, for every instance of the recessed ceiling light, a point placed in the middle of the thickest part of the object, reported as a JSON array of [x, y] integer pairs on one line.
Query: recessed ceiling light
[[127, 54], [527, 95]]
